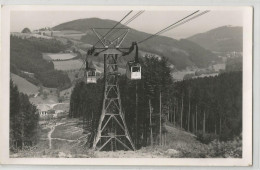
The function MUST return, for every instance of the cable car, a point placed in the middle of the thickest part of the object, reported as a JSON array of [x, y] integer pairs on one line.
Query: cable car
[[133, 71], [133, 68], [90, 73]]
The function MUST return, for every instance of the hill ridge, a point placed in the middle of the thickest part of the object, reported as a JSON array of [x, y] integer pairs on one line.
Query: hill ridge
[[181, 53], [226, 38]]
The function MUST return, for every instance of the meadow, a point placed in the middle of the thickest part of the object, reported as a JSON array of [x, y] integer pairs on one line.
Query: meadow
[[67, 65]]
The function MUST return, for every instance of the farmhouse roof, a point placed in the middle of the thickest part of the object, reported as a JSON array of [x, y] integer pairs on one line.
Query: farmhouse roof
[[43, 107]]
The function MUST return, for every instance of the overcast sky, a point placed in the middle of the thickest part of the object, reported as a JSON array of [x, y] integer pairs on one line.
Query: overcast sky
[[149, 21]]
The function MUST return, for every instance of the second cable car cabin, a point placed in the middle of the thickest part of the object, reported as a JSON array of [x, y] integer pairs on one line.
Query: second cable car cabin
[[133, 70], [90, 73]]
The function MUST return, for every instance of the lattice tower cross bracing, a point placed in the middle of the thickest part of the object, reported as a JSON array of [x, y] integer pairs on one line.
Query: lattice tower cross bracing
[[112, 133]]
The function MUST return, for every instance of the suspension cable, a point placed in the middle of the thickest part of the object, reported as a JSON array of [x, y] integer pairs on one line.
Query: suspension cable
[[151, 36], [114, 27], [127, 22], [198, 15]]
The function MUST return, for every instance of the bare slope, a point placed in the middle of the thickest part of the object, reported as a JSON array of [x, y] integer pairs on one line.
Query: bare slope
[[23, 85]]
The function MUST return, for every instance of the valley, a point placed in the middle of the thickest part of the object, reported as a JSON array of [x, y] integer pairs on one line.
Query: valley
[[48, 66]]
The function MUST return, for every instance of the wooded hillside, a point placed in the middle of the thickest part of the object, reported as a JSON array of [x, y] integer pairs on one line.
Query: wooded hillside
[[181, 53], [26, 55], [23, 120], [210, 107], [221, 39]]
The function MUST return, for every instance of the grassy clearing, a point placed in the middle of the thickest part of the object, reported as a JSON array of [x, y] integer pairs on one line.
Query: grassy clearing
[[60, 148], [60, 56], [68, 131], [184, 143], [51, 99], [67, 65], [23, 85]]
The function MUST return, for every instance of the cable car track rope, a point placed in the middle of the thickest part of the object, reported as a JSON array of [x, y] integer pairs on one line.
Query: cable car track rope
[[127, 22], [176, 24], [114, 27], [168, 28]]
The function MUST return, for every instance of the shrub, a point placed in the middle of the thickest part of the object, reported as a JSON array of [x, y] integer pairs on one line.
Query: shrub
[[205, 138], [227, 149]]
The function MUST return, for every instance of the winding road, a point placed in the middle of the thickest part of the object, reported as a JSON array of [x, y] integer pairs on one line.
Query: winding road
[[51, 131]]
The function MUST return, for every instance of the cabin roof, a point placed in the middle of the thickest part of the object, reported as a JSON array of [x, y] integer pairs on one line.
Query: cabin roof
[[132, 64], [91, 66]]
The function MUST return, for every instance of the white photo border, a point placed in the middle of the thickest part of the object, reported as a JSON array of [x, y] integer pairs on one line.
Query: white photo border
[[247, 94]]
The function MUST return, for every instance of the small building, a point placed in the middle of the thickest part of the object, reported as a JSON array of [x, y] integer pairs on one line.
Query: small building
[[43, 110], [60, 114], [29, 74]]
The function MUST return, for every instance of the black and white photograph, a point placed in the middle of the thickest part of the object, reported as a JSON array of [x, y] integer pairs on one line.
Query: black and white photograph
[[128, 82]]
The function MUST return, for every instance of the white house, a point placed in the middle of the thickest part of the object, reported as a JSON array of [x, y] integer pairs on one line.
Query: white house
[[43, 109]]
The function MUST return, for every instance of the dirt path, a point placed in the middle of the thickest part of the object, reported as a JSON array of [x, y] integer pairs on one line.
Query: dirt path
[[51, 131]]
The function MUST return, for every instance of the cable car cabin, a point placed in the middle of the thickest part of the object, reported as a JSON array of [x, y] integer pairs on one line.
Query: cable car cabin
[[91, 76], [133, 71]]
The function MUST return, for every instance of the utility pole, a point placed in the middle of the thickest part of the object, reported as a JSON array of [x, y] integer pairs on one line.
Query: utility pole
[[204, 122], [160, 118], [151, 128], [189, 114], [174, 111], [136, 114], [196, 118], [181, 109]]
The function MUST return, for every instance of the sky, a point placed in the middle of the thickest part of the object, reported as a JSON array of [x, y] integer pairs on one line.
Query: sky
[[149, 21]]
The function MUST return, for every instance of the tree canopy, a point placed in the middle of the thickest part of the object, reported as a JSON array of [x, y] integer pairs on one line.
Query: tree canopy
[[212, 105], [23, 119], [26, 30], [26, 55]]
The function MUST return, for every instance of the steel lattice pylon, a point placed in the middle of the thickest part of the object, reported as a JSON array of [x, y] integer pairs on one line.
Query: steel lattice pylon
[[112, 132]]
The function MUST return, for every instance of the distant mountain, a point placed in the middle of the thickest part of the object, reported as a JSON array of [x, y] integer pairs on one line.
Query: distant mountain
[[181, 53], [221, 39]]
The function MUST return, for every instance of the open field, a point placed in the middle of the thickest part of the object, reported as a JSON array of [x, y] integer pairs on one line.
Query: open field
[[206, 75], [67, 93], [70, 131], [30, 89], [62, 106], [59, 56], [71, 34], [218, 67], [67, 65], [179, 75], [54, 144], [24, 86], [51, 98], [28, 35]]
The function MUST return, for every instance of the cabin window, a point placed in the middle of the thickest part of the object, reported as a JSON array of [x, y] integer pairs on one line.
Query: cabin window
[[135, 69], [91, 73]]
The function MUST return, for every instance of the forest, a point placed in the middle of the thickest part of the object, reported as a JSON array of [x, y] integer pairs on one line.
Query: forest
[[209, 107], [26, 55], [23, 120]]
